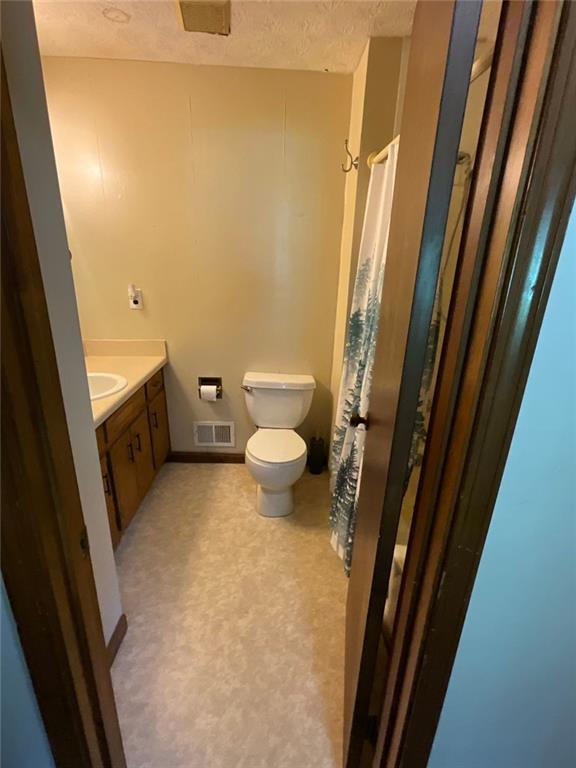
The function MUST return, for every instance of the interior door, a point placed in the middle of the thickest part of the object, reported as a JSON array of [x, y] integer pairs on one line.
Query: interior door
[[441, 57]]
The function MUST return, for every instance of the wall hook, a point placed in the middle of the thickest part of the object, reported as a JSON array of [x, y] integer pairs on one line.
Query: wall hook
[[353, 161]]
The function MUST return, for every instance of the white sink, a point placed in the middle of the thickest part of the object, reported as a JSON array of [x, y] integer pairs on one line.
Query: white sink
[[105, 384]]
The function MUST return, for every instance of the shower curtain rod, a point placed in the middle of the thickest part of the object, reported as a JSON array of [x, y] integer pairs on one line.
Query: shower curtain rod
[[379, 157], [478, 68]]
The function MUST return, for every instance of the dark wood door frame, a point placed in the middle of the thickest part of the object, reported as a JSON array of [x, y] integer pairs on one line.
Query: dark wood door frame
[[45, 557], [441, 57], [501, 97], [520, 202]]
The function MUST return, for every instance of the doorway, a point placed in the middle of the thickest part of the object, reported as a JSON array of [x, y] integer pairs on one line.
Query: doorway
[[361, 711]]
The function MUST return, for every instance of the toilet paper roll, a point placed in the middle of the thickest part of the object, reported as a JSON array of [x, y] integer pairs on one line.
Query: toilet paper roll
[[208, 392]]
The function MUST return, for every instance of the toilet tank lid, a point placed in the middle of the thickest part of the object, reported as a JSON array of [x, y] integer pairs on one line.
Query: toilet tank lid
[[278, 380]]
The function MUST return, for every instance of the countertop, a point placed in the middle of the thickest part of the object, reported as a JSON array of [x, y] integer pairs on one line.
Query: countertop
[[137, 361]]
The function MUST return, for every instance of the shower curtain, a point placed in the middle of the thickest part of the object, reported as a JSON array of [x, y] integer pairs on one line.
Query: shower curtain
[[348, 442]]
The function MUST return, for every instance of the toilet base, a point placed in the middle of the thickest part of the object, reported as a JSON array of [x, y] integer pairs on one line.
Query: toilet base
[[274, 503]]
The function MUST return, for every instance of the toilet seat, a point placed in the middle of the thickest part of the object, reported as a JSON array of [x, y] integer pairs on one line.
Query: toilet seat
[[276, 446]]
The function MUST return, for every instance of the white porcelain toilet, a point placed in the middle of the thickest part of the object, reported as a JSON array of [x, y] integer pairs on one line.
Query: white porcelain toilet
[[276, 454]]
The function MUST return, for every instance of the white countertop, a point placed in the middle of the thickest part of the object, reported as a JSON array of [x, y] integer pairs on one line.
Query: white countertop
[[137, 361]]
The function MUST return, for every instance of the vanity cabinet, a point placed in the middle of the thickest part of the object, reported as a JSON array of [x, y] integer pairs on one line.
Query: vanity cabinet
[[133, 443], [132, 467]]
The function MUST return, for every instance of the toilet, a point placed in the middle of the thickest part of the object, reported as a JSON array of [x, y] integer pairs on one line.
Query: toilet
[[276, 454]]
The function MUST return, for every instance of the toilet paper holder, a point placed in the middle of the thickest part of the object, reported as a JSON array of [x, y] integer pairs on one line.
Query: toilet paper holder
[[213, 381]]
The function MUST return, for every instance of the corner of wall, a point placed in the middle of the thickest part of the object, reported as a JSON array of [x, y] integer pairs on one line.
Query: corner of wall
[[354, 137], [372, 126], [404, 57]]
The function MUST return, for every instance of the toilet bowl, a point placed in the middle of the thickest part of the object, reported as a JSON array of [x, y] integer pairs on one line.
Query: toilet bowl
[[276, 454], [276, 459]]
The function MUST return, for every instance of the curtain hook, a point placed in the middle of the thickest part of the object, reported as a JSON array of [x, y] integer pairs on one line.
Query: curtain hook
[[353, 161]]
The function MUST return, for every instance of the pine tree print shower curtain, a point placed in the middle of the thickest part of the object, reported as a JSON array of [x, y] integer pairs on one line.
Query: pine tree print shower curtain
[[348, 442]]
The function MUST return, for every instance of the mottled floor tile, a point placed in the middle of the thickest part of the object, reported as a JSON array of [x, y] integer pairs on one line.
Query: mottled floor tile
[[234, 655]]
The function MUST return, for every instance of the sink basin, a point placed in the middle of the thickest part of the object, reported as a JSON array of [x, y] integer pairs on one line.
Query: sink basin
[[105, 384]]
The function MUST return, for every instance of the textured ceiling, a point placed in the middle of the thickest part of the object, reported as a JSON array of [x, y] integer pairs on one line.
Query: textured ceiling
[[286, 34]]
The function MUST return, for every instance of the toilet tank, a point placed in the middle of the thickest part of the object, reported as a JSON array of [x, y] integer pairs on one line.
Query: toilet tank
[[278, 400]]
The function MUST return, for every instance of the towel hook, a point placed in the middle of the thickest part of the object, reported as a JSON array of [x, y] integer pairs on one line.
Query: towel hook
[[353, 161]]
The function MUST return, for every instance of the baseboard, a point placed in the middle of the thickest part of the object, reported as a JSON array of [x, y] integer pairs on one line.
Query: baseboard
[[117, 636], [196, 457]]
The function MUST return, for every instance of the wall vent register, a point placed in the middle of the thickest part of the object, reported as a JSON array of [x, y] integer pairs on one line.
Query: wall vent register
[[215, 433]]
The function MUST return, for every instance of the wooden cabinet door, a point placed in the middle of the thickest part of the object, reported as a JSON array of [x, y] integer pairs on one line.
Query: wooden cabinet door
[[123, 463], [159, 430], [140, 432], [110, 502]]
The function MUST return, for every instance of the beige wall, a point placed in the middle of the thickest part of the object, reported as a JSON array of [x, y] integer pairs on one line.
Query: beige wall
[[402, 75], [218, 191], [372, 121], [350, 190]]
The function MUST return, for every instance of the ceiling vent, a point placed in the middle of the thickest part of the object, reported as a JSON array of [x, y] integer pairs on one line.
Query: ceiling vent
[[211, 16], [218, 434]]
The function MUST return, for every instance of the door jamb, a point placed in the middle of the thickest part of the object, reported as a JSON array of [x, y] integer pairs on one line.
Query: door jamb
[[45, 555], [481, 381], [437, 85], [490, 158]]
